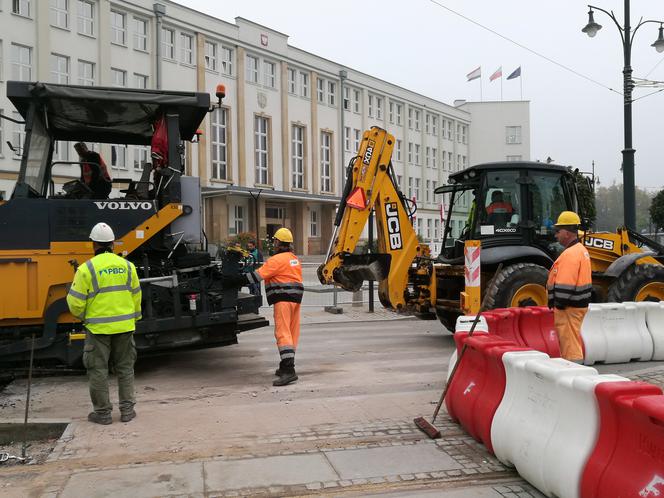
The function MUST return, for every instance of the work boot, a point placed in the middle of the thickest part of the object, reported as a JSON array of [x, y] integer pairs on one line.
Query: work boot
[[128, 415], [100, 418], [286, 372]]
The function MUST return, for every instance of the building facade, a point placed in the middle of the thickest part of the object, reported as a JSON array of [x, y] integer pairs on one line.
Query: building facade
[[275, 152]]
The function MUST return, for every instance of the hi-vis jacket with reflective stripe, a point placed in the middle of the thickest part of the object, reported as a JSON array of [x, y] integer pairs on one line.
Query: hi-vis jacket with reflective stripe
[[283, 278], [106, 295], [570, 278]]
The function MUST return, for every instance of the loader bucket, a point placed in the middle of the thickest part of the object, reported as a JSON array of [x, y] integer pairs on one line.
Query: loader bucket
[[360, 267]]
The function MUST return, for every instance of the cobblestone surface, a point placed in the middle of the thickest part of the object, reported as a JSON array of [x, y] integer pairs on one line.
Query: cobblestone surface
[[655, 376]]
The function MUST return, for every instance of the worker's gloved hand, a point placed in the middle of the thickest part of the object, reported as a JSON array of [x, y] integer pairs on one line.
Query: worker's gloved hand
[[236, 280]]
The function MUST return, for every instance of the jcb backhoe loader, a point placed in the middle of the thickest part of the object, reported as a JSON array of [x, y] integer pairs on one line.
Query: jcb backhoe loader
[[514, 207], [44, 234]]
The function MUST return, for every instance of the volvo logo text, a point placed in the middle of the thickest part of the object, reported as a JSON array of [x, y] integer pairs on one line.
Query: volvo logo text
[[124, 205]]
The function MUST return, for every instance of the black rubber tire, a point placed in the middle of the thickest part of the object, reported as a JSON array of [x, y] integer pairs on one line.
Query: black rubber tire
[[512, 278], [448, 319], [193, 259], [628, 284]]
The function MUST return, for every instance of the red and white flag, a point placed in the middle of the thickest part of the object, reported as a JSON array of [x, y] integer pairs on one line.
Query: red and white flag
[[497, 74]]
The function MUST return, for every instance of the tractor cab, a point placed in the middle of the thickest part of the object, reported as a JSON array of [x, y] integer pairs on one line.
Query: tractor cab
[[512, 208]]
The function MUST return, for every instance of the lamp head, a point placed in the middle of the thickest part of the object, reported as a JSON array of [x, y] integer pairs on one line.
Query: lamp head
[[592, 27], [659, 43]]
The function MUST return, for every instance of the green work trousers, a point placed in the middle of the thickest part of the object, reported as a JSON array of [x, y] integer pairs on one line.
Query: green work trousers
[[120, 351]]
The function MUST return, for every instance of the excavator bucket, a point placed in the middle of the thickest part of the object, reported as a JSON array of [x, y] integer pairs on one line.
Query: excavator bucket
[[360, 267]]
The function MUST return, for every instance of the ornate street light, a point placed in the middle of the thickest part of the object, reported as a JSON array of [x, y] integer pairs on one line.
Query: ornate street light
[[627, 36]]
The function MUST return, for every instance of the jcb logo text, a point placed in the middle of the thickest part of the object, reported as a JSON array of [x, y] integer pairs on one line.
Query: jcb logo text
[[599, 243], [393, 226]]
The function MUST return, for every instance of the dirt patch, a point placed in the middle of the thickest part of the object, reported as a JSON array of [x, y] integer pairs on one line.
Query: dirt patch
[[36, 451]]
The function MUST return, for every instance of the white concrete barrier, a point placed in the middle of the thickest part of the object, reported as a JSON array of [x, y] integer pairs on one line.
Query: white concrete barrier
[[655, 324], [616, 333], [548, 422], [463, 324]]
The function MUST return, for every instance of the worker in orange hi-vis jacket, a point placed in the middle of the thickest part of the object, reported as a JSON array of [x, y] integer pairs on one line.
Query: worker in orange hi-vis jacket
[[570, 286], [282, 274]]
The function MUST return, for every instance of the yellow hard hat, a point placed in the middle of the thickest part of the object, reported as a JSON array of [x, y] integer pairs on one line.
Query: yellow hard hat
[[284, 235], [568, 218]]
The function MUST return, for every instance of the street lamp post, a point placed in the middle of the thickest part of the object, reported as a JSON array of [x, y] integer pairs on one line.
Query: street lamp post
[[627, 36]]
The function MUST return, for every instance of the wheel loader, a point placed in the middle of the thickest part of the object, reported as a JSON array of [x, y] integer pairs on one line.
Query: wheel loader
[[157, 221], [514, 206]]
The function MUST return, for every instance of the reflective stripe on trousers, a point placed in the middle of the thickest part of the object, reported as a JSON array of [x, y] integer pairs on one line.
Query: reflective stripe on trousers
[[287, 328]]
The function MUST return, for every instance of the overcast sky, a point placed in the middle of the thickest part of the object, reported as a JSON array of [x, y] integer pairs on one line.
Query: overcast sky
[[427, 49]]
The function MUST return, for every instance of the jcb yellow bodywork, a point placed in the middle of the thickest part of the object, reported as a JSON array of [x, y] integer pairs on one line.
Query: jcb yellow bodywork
[[34, 279]]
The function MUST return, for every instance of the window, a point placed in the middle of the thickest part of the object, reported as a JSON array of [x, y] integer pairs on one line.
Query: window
[[269, 74], [391, 112], [60, 151], [458, 131], [210, 56], [219, 143], [436, 229], [464, 162], [356, 101], [187, 49], [513, 158], [371, 106], [168, 43], [458, 163], [410, 187], [59, 69], [428, 191], [331, 93], [410, 118], [119, 156], [398, 108], [140, 81], [21, 7], [18, 135], [513, 134], [325, 161], [297, 156], [59, 13], [449, 130], [427, 156], [237, 224], [321, 90], [417, 120], [347, 139], [410, 152], [119, 77], [398, 147], [21, 62], [227, 60], [417, 154], [434, 125], [417, 189], [313, 226], [427, 124], [118, 28], [85, 18], [292, 81], [346, 102], [141, 155], [429, 225], [464, 134], [86, 73], [444, 160], [252, 69], [450, 161], [399, 182], [140, 34], [379, 108], [434, 156], [304, 84], [502, 201], [261, 128], [356, 141]]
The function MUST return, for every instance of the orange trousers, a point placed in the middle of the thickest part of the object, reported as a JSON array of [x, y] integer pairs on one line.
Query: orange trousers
[[568, 326], [287, 327]]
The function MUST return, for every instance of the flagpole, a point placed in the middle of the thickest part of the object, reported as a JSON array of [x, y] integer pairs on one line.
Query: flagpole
[[480, 78], [521, 81], [501, 85]]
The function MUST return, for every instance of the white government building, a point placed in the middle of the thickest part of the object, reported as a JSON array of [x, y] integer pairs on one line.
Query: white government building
[[274, 148]]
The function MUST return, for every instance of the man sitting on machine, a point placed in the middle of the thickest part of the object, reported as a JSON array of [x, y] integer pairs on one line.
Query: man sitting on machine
[[499, 211], [94, 173]]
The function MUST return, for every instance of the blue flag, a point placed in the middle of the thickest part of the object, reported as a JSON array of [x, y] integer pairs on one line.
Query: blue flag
[[515, 74]]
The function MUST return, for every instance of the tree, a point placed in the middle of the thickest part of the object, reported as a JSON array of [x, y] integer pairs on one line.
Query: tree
[[586, 194], [657, 210], [610, 208]]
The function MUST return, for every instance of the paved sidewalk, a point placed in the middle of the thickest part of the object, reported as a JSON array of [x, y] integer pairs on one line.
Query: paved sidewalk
[[317, 315]]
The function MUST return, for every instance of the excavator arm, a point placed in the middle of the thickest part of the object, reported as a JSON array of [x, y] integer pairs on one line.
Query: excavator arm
[[370, 184]]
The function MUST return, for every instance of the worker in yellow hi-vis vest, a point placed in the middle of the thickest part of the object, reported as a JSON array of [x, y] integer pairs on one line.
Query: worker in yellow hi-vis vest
[[106, 296]]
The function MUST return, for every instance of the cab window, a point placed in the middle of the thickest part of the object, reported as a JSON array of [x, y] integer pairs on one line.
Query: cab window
[[499, 203]]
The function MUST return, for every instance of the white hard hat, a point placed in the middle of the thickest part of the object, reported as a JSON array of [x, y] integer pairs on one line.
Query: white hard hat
[[101, 232]]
